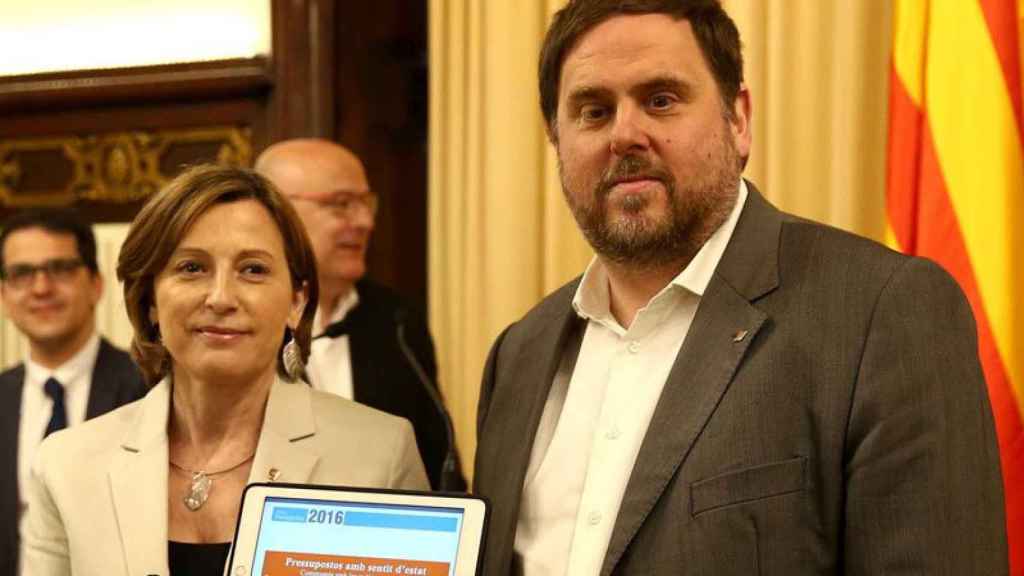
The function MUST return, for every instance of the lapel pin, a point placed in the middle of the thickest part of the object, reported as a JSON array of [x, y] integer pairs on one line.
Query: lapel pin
[[739, 336], [274, 474]]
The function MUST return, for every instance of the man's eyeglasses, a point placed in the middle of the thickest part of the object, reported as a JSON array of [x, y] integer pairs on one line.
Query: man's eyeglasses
[[346, 205], [21, 275]]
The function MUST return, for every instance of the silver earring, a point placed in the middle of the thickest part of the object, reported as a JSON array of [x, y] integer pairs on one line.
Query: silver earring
[[292, 360]]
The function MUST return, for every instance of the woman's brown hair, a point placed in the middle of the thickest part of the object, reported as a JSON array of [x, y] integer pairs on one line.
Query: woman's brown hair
[[165, 220]]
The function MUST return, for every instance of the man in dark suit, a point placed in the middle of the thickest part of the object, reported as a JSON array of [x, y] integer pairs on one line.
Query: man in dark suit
[[368, 345], [727, 389], [50, 284]]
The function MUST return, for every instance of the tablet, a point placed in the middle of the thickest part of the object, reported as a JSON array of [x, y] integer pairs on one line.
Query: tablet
[[306, 530]]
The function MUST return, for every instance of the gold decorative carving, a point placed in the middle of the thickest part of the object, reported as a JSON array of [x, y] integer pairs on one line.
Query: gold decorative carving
[[10, 172], [116, 167]]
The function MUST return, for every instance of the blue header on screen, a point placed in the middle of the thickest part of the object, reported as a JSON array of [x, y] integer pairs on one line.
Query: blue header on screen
[[396, 507]]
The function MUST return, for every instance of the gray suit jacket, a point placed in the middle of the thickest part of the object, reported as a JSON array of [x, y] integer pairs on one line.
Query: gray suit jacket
[[847, 432]]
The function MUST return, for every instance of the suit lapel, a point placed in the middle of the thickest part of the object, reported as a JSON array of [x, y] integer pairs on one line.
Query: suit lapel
[[10, 398], [138, 483], [281, 455], [10, 502], [696, 383], [138, 475], [364, 355], [526, 393], [725, 325], [103, 391], [364, 358]]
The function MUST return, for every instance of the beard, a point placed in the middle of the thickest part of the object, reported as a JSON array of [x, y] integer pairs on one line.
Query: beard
[[694, 209]]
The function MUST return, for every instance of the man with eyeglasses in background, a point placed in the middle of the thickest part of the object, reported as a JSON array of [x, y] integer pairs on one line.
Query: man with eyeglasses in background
[[49, 286], [369, 345]]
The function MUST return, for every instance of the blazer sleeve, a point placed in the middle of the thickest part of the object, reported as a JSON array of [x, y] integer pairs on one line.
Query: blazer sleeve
[[407, 471], [924, 493], [488, 380], [45, 541]]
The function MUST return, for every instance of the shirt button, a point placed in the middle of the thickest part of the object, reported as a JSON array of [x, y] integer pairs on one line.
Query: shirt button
[[594, 518], [613, 433], [634, 347]]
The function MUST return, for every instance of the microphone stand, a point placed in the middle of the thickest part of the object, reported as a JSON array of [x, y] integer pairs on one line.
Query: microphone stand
[[449, 479]]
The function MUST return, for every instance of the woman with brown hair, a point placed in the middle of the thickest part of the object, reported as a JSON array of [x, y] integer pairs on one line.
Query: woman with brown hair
[[220, 285]]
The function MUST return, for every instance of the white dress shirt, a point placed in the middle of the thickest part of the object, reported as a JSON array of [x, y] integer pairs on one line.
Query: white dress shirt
[[36, 407], [596, 417], [330, 367]]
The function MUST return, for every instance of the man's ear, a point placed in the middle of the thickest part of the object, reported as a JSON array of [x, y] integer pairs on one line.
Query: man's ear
[[739, 122], [96, 287]]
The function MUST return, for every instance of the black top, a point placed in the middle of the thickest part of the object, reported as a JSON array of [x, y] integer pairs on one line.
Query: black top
[[189, 559]]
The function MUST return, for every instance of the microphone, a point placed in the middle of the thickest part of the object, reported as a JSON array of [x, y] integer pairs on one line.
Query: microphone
[[449, 481]]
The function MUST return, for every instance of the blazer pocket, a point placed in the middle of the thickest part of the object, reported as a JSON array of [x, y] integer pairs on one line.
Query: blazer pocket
[[749, 484]]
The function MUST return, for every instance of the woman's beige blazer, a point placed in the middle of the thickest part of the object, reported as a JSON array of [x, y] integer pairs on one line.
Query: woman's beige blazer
[[97, 501]]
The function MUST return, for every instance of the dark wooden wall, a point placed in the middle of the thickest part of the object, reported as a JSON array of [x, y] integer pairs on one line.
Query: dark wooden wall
[[354, 72], [103, 140], [381, 80]]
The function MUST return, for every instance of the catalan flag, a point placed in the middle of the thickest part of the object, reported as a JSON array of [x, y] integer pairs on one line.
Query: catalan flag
[[956, 187]]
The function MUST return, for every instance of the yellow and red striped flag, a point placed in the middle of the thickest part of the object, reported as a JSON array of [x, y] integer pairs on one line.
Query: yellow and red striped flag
[[956, 186]]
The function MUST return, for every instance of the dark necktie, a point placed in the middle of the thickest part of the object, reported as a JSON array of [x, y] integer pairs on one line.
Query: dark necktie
[[59, 418]]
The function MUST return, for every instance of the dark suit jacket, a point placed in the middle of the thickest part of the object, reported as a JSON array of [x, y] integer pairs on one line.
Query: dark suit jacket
[[383, 378], [116, 380], [848, 431]]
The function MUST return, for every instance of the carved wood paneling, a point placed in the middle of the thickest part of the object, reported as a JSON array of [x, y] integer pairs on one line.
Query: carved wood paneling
[[103, 140], [118, 167]]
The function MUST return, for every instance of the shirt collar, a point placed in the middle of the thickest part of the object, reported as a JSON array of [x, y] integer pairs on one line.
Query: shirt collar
[[345, 305], [71, 372], [697, 274], [591, 300]]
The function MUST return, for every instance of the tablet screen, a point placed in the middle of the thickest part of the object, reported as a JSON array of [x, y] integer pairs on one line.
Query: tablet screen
[[310, 537]]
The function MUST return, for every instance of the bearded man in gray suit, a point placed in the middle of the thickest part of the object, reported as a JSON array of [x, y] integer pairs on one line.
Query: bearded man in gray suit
[[728, 389]]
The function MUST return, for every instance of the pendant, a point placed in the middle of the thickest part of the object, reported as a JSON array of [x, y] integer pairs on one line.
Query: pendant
[[199, 491]]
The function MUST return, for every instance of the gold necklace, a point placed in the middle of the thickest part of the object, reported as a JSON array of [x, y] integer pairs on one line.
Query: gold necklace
[[202, 482]]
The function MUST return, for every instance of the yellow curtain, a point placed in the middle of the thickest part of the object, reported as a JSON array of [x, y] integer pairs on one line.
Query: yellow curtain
[[819, 76], [500, 234]]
